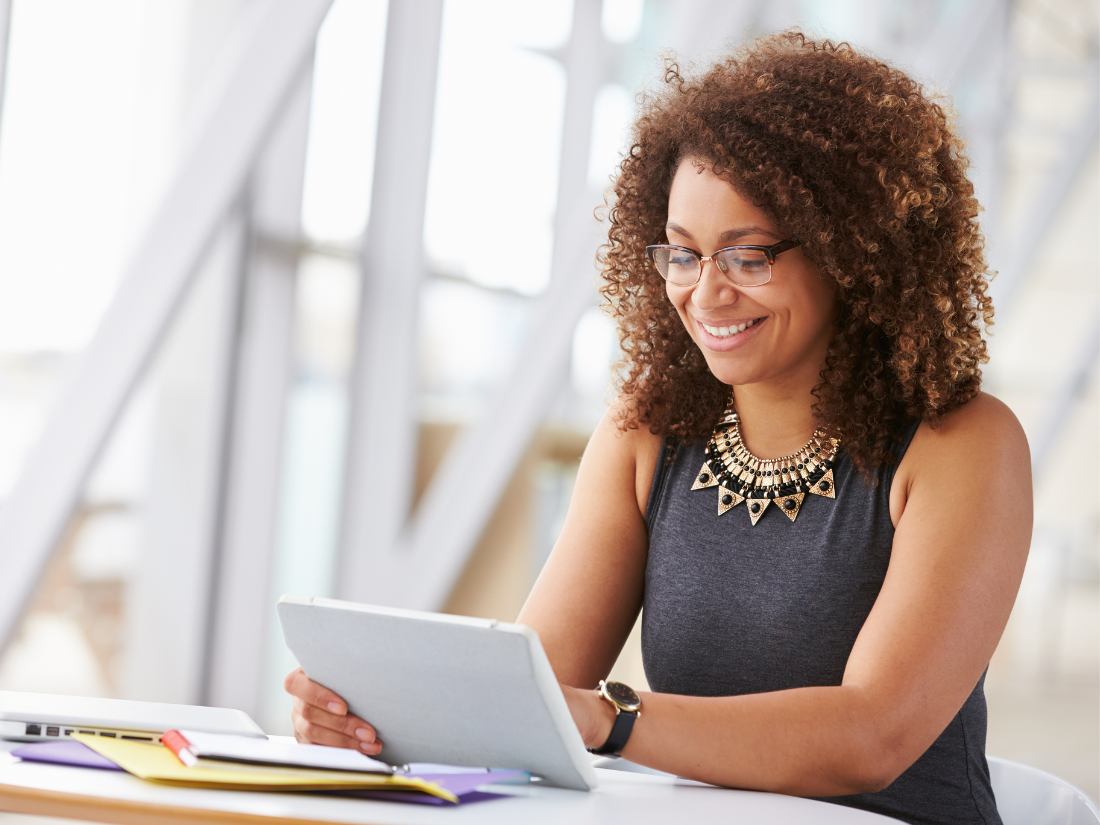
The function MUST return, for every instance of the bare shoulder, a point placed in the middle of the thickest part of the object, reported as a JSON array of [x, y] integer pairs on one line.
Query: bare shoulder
[[632, 450], [979, 443], [984, 423]]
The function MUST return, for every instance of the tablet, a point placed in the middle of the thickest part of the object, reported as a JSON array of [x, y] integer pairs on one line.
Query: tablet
[[38, 717], [440, 688]]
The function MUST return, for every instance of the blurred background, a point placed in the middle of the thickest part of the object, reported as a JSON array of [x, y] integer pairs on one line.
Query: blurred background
[[298, 296]]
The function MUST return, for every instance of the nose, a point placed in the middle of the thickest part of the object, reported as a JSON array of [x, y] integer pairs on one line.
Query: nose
[[714, 289]]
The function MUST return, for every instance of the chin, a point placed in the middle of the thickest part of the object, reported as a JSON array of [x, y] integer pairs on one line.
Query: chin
[[732, 373]]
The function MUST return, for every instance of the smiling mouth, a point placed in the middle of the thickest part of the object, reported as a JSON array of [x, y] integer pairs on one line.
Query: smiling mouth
[[726, 332]]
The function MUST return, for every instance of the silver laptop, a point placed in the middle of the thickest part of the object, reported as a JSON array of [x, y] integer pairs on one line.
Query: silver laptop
[[438, 688], [38, 717]]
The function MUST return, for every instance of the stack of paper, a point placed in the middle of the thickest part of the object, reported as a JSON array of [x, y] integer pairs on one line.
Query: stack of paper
[[279, 768], [196, 747], [158, 764]]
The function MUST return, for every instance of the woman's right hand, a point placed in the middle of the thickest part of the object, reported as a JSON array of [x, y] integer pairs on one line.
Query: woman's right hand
[[321, 717]]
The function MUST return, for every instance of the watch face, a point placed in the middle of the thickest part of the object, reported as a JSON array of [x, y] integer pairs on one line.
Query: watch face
[[623, 695]]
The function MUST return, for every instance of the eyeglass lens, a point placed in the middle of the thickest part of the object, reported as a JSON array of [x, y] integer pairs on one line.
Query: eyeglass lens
[[747, 267]]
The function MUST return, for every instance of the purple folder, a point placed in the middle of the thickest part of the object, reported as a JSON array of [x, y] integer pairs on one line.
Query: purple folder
[[65, 752], [463, 785]]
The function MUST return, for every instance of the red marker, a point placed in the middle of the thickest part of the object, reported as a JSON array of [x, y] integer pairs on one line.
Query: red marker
[[174, 741]]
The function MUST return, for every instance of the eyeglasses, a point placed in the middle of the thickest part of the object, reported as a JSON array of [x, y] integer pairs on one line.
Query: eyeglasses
[[742, 265]]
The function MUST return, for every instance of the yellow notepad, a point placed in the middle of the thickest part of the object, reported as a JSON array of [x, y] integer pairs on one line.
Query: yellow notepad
[[158, 764]]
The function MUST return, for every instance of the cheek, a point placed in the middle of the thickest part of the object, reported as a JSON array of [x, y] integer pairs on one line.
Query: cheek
[[670, 293], [813, 304], [678, 297]]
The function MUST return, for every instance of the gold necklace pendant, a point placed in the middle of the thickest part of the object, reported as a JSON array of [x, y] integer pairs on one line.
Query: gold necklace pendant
[[741, 476]]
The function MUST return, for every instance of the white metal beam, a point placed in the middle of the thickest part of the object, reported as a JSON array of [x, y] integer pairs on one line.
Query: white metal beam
[[587, 60], [242, 604], [191, 387], [383, 432], [267, 57]]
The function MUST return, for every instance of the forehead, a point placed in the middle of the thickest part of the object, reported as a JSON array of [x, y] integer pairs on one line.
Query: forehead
[[700, 201]]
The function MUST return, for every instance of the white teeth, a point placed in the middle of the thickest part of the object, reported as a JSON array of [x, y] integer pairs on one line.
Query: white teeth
[[725, 332]]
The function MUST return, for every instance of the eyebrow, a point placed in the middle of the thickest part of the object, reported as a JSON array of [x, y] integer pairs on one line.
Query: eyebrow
[[728, 235]]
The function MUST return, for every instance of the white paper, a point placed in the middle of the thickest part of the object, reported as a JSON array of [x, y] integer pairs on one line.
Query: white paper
[[267, 752]]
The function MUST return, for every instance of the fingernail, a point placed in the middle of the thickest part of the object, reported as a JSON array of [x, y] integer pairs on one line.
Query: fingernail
[[336, 707], [364, 734], [368, 746]]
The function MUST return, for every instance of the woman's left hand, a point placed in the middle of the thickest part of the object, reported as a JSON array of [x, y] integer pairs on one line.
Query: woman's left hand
[[593, 716]]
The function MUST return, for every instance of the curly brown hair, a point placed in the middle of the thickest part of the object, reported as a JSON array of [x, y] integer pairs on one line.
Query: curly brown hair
[[850, 156]]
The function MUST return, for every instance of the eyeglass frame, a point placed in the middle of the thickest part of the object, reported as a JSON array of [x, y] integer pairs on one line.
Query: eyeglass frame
[[770, 254]]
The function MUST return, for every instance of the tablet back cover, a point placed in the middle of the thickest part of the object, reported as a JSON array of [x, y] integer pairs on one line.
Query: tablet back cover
[[440, 688]]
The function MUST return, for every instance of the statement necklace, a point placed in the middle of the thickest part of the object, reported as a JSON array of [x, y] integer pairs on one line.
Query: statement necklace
[[741, 476]]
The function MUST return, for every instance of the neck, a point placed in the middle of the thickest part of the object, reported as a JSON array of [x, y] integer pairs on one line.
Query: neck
[[775, 420]]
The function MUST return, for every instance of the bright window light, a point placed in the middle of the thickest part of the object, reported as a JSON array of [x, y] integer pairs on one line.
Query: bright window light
[[610, 121], [621, 20], [343, 119], [66, 171], [495, 149]]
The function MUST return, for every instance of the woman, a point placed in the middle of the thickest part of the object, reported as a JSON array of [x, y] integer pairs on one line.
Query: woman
[[823, 517]]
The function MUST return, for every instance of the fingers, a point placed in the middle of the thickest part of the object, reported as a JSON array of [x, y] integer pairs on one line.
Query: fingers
[[299, 685], [320, 717], [319, 727]]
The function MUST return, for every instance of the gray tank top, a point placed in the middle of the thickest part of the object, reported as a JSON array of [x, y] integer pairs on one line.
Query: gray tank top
[[732, 609]]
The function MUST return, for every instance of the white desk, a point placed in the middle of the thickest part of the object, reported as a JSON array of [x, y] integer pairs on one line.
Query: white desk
[[622, 799]]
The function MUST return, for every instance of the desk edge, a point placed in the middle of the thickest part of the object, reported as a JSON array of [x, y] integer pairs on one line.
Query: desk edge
[[40, 802]]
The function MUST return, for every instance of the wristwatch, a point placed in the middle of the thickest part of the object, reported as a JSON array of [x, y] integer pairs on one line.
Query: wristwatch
[[627, 706]]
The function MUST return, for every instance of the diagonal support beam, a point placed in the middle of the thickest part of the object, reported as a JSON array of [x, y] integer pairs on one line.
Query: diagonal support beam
[[466, 487], [267, 56]]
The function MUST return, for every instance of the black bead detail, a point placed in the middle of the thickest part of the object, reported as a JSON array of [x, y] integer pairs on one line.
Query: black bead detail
[[824, 486], [755, 509], [704, 478], [790, 504], [727, 499]]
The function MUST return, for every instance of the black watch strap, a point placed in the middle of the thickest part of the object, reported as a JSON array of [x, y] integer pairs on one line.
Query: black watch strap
[[620, 733]]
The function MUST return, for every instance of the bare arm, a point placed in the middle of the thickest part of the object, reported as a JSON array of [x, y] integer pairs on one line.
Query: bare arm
[[590, 591], [962, 499]]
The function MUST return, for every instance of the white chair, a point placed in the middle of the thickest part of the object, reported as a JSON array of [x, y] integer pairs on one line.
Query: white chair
[[1029, 796]]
